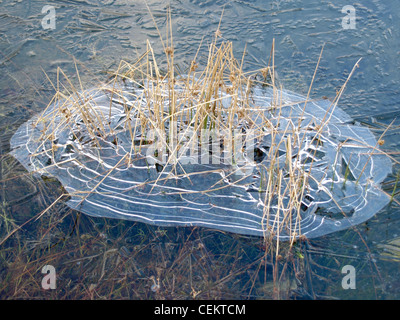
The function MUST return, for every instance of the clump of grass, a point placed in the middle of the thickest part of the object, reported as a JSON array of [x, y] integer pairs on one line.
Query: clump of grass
[[216, 97]]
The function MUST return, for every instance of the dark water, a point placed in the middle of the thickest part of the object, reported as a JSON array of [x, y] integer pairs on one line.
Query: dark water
[[111, 259]]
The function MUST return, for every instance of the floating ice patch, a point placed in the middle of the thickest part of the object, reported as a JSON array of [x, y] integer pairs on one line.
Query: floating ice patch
[[280, 166]]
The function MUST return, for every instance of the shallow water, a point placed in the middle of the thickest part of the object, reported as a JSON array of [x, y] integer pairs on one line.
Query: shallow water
[[96, 35]]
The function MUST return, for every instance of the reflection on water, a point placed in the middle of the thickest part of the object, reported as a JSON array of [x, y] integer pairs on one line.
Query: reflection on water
[[92, 36]]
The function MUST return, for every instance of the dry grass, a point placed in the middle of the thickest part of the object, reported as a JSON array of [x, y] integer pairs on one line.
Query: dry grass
[[196, 103]]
